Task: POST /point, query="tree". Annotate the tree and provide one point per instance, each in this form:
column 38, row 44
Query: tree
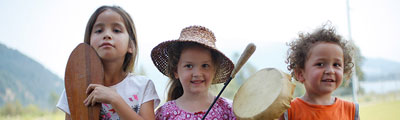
column 346, row 88
column 11, row 108
column 141, row 71
column 53, row 99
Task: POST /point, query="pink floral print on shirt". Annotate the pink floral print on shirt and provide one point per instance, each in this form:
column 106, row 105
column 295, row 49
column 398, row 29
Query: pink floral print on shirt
column 222, row 110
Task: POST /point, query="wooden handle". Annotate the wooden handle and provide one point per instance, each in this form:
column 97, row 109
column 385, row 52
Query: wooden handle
column 243, row 58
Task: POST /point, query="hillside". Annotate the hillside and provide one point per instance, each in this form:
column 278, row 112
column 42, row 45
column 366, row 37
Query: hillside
column 381, row 69
column 26, row 81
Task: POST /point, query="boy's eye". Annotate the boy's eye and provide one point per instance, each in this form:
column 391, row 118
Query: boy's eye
column 337, row 65
column 319, row 64
column 205, row 65
column 188, row 66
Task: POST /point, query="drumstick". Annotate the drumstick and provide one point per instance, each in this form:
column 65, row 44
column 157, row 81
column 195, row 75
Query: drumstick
column 243, row 59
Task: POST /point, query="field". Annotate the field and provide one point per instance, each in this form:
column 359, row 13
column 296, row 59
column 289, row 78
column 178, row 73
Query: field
column 372, row 107
column 46, row 116
column 380, row 107
column 381, row 111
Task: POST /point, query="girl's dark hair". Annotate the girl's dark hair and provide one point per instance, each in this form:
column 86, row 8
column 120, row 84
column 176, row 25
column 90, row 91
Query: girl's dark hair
column 174, row 52
column 299, row 49
column 130, row 58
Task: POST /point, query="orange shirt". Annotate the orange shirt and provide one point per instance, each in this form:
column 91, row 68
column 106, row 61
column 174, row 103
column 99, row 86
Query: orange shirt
column 340, row 110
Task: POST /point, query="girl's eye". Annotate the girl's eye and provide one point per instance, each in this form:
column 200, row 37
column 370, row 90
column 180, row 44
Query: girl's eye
column 117, row 31
column 188, row 66
column 98, row 31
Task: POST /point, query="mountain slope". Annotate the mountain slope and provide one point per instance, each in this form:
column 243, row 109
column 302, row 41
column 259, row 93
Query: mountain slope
column 25, row 80
column 381, row 69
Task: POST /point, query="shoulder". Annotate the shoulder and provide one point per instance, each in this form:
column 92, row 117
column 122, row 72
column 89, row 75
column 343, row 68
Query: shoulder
column 346, row 104
column 168, row 106
column 349, row 107
column 224, row 109
column 137, row 80
column 166, row 109
column 134, row 77
column 224, row 101
column 296, row 102
column 297, row 105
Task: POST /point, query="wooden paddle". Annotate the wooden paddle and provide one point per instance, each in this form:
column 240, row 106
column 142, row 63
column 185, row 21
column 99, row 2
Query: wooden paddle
column 83, row 68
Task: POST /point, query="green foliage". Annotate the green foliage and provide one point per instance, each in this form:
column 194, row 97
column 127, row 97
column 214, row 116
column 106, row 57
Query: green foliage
column 346, row 88
column 15, row 111
column 53, row 99
column 141, row 71
column 299, row 90
column 11, row 109
column 358, row 60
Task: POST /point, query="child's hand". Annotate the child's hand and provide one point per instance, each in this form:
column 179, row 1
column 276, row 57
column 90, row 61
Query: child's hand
column 100, row 94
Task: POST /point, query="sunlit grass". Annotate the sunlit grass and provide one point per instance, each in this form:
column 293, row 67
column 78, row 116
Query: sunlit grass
column 372, row 107
column 380, row 111
column 45, row 116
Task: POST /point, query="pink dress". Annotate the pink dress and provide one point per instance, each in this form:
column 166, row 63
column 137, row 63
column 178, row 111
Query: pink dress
column 222, row 110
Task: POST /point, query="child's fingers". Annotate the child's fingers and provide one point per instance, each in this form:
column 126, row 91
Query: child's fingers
column 88, row 99
column 91, row 87
column 94, row 101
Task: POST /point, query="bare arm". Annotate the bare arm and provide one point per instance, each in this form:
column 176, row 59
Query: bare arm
column 147, row 110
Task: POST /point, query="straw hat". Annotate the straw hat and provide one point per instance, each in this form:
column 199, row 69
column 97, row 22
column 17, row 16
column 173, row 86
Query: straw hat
column 195, row 34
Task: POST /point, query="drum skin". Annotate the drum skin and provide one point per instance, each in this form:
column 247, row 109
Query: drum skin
column 264, row 96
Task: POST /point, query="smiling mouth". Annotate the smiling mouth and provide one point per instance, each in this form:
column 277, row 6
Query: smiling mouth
column 328, row 80
column 197, row 81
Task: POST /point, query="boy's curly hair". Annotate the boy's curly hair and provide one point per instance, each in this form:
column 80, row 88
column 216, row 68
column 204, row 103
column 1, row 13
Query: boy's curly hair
column 300, row 47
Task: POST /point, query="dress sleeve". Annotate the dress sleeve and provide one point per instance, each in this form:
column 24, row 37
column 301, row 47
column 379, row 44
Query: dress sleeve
column 159, row 113
column 150, row 93
column 63, row 103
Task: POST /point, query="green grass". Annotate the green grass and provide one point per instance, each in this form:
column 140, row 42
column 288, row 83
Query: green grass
column 372, row 107
column 380, row 111
column 46, row 116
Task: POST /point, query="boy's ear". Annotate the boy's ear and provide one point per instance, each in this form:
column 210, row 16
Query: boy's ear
column 299, row 75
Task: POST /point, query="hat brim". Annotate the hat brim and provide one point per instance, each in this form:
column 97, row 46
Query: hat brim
column 160, row 57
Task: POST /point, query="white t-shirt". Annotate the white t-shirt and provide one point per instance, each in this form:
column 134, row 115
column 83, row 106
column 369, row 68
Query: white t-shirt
column 134, row 89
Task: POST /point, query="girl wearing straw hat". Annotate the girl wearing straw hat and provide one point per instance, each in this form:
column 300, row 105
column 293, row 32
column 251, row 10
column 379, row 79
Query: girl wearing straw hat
column 192, row 63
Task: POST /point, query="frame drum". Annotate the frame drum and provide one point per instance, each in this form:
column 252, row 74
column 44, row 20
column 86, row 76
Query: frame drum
column 264, row 96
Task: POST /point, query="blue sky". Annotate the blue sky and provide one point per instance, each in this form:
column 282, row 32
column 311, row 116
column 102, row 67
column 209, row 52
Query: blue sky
column 48, row 30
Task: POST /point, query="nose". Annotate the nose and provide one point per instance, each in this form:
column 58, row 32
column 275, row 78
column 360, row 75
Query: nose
column 107, row 35
column 197, row 73
column 329, row 70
